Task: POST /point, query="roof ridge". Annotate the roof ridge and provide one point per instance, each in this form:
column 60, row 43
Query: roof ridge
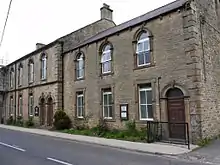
column 149, row 15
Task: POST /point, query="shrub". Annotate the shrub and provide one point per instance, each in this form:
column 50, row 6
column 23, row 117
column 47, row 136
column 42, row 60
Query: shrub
column 10, row 120
column 19, row 121
column 29, row 122
column 131, row 125
column 2, row 120
column 61, row 120
column 101, row 129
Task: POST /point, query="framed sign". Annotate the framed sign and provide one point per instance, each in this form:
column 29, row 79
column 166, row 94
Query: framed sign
column 36, row 111
column 124, row 111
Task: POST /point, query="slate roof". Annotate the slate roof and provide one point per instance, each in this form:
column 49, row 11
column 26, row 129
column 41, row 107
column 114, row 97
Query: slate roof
column 146, row 17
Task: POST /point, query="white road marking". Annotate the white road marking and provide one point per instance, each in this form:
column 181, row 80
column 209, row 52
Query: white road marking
column 11, row 146
column 59, row 161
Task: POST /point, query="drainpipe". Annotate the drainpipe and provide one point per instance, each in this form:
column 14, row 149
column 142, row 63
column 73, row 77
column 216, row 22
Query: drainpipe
column 5, row 93
column 4, row 107
column 62, row 56
column 158, row 86
column 202, row 20
column 15, row 91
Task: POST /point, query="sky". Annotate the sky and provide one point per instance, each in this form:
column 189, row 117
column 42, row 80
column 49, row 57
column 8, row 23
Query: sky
column 43, row 21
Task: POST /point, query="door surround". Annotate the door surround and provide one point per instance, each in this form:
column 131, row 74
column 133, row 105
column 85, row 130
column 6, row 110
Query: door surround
column 163, row 113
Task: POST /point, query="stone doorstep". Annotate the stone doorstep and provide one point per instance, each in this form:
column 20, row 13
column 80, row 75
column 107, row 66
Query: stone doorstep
column 155, row 148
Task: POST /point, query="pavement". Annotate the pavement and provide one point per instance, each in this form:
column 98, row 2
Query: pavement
column 155, row 148
column 23, row 148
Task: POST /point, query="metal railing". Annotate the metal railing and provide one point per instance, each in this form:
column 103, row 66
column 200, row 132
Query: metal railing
column 168, row 132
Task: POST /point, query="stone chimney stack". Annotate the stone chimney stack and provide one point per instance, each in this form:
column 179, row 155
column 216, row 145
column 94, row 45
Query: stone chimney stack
column 39, row 45
column 106, row 12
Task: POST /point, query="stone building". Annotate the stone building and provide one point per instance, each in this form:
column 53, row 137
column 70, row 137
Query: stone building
column 162, row 66
column 35, row 81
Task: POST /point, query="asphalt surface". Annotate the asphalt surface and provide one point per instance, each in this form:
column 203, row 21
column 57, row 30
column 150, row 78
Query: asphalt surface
column 210, row 153
column 19, row 148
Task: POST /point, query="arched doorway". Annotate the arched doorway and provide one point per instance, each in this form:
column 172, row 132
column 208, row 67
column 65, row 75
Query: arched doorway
column 176, row 113
column 42, row 111
column 50, row 112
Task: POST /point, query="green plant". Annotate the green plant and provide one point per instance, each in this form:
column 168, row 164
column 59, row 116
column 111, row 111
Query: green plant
column 29, row 122
column 101, row 128
column 204, row 142
column 19, row 121
column 61, row 120
column 131, row 125
column 10, row 120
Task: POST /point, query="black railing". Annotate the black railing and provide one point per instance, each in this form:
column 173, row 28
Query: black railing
column 169, row 132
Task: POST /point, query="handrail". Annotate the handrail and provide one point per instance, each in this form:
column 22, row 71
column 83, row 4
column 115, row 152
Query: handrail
column 155, row 131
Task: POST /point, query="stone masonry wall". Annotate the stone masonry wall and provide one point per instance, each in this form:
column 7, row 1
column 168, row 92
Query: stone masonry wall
column 194, row 69
column 170, row 60
column 48, row 86
column 209, row 51
column 53, row 84
column 84, row 33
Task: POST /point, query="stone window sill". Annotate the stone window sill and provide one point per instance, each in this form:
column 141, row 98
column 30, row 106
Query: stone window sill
column 79, row 79
column 144, row 66
column 109, row 120
column 106, row 74
column 80, row 118
column 144, row 121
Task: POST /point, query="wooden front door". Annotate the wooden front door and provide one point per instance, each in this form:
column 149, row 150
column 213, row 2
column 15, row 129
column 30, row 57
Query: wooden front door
column 176, row 114
column 50, row 112
column 42, row 112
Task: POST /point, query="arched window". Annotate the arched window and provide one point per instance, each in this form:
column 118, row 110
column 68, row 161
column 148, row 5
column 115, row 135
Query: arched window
column 31, row 104
column 11, row 78
column 143, row 50
column 20, row 105
column 80, row 66
column 106, row 59
column 20, row 74
column 43, row 66
column 11, row 106
column 30, row 71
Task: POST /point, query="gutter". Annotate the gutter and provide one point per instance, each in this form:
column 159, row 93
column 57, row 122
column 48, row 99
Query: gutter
column 62, row 56
column 158, row 88
column 15, row 92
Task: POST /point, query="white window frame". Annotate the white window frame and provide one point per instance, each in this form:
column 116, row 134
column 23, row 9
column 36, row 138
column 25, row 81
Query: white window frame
column 142, row 51
column 31, row 105
column 109, row 60
column 31, row 72
column 78, row 69
column 11, row 79
column 145, row 90
column 20, row 106
column 11, row 106
column 79, row 106
column 44, row 67
column 108, row 105
column 20, row 72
